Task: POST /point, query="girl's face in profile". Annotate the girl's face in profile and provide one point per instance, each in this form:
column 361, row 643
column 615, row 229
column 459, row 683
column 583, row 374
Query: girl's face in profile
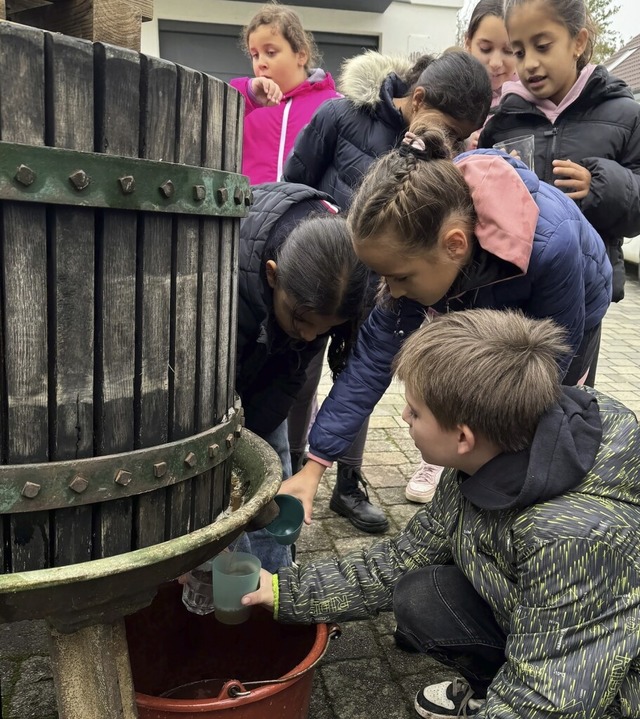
column 490, row 45
column 274, row 58
column 425, row 276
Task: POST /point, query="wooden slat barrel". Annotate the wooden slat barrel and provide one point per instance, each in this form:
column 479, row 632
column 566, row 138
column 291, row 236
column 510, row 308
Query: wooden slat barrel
column 117, row 318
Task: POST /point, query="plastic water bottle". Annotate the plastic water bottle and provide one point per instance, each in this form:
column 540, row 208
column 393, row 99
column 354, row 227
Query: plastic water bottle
column 197, row 591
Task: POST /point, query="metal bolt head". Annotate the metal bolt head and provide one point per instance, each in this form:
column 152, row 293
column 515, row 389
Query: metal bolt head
column 190, row 460
column 199, row 193
column 213, row 450
column 25, row 175
column 123, row 477
column 248, row 199
column 127, row 184
column 30, row 490
column 159, row 469
column 78, row 484
column 238, row 196
column 229, row 440
column 222, row 195
column 238, row 431
column 167, row 189
column 80, row 180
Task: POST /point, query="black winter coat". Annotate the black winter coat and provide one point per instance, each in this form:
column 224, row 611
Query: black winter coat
column 334, row 151
column 270, row 365
column 601, row 131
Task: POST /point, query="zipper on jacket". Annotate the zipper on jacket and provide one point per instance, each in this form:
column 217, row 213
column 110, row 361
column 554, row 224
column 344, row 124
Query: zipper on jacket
column 398, row 332
column 551, row 154
column 283, row 138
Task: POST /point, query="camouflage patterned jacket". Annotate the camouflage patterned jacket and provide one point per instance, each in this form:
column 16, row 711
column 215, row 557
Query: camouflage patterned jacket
column 561, row 573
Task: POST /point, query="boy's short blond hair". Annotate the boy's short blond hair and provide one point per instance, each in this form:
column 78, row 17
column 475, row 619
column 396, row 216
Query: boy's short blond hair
column 493, row 370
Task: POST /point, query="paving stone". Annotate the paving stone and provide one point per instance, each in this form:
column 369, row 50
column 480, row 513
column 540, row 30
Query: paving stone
column 401, row 514
column 360, row 689
column 383, row 476
column 358, row 641
column 344, row 546
column 377, row 421
column 392, row 495
column 34, row 694
column 314, row 538
column 385, row 458
column 21, row 639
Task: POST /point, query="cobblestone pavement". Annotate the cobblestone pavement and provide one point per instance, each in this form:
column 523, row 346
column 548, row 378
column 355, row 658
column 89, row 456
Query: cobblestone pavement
column 363, row 676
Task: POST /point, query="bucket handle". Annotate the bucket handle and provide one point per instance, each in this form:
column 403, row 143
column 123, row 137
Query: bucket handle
column 236, row 689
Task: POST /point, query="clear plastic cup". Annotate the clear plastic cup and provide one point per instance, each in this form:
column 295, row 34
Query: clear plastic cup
column 234, row 575
column 521, row 147
column 197, row 591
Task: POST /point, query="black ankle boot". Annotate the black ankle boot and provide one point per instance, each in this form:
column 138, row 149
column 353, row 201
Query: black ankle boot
column 349, row 501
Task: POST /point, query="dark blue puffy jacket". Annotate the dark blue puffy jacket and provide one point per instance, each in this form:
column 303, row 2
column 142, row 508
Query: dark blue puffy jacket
column 345, row 136
column 568, row 280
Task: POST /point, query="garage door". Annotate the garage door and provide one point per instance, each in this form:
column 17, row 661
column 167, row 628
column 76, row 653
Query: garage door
column 215, row 49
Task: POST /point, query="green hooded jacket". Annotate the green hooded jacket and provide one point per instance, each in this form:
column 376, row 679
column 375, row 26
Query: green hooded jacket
column 552, row 545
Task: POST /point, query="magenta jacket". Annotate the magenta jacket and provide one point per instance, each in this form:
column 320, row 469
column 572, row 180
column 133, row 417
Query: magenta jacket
column 269, row 132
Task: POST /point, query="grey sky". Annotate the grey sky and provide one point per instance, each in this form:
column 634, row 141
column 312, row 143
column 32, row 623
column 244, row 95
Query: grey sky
column 627, row 19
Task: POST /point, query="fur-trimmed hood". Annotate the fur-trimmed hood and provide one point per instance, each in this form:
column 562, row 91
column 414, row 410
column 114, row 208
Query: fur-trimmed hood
column 362, row 76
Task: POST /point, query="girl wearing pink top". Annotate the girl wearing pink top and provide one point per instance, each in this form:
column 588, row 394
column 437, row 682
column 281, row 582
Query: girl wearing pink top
column 284, row 93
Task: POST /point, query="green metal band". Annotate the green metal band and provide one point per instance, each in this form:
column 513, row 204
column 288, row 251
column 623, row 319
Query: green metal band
column 89, row 179
column 52, row 485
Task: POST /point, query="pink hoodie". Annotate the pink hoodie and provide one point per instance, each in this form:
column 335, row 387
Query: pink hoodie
column 269, row 132
column 495, row 185
column 550, row 109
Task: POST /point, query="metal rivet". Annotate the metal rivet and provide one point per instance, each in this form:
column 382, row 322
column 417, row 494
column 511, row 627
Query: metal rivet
column 80, row 180
column 167, row 188
column 199, row 193
column 222, row 195
column 238, row 196
column 159, row 469
column 248, row 199
column 190, row 459
column 127, row 184
column 30, row 490
column 123, row 477
column 238, row 432
column 25, row 175
column 213, row 450
column 229, row 440
column 78, row 484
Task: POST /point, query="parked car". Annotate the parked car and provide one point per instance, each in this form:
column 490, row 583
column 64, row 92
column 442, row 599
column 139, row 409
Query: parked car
column 631, row 251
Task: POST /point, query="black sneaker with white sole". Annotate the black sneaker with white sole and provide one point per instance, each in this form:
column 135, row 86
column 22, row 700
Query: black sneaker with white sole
column 447, row 700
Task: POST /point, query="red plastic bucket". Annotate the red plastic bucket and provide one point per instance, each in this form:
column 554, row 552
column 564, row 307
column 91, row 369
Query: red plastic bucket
column 170, row 647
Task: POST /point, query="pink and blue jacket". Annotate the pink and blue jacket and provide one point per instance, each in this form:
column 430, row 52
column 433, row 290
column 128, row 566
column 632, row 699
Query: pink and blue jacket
column 269, row 132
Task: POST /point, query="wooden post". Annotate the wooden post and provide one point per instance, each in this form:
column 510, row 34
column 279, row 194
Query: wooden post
column 92, row 673
column 117, row 22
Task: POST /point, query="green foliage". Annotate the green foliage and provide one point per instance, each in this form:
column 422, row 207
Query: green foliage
column 608, row 41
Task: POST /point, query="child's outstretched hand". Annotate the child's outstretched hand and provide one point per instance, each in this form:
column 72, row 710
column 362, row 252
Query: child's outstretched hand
column 266, row 91
column 263, row 594
column 576, row 177
column 304, row 486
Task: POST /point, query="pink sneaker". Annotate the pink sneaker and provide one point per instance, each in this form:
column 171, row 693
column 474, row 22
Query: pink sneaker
column 422, row 486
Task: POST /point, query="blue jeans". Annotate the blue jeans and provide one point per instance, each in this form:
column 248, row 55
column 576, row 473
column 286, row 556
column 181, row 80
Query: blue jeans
column 439, row 613
column 272, row 555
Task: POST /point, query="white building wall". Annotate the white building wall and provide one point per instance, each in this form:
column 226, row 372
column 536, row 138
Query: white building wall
column 414, row 26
